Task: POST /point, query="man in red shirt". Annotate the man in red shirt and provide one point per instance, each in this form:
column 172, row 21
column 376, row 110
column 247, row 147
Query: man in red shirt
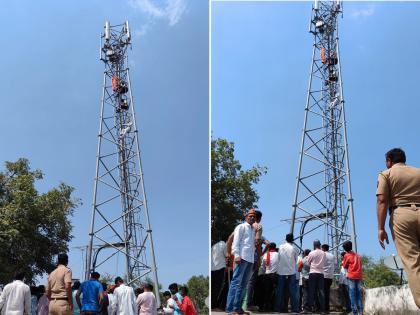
column 187, row 306
column 353, row 264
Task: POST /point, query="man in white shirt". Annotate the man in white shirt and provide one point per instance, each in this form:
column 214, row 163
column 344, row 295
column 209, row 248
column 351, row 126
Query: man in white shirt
column 124, row 299
column 329, row 268
column 170, row 303
column 270, row 263
column 243, row 249
column 218, row 268
column 257, row 255
column 16, row 297
column 287, row 275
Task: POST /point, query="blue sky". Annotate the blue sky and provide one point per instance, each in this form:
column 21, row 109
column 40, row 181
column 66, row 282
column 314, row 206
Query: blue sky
column 261, row 54
column 51, row 88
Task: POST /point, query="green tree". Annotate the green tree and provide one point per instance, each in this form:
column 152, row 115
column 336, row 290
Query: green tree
column 149, row 280
column 377, row 274
column 232, row 191
column 34, row 227
column 198, row 287
column 107, row 278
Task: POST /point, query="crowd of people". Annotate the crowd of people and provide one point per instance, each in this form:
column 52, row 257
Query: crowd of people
column 62, row 296
column 250, row 273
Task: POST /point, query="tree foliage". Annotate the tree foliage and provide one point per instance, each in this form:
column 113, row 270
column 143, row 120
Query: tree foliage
column 232, row 191
column 107, row 278
column 34, row 227
column 378, row 274
column 198, row 287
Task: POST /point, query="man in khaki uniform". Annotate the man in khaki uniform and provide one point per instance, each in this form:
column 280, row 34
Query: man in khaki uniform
column 399, row 190
column 59, row 288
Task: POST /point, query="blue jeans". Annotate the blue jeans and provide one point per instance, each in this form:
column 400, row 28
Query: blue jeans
column 355, row 292
column 293, row 293
column 237, row 288
column 251, row 284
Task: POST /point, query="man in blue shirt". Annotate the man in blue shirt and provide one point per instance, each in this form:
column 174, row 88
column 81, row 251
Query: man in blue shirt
column 92, row 295
column 174, row 291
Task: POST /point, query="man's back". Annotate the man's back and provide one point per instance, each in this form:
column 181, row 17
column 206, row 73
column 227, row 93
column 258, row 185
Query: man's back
column 329, row 265
column 401, row 183
column 305, row 268
column 57, row 280
column 353, row 263
column 288, row 259
column 218, row 256
column 43, row 304
column 187, row 306
column 90, row 291
column 271, row 262
column 124, row 300
column 146, row 303
column 15, row 299
column 316, row 261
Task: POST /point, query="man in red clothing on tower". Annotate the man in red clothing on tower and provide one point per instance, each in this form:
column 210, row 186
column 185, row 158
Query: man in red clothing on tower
column 187, row 306
column 353, row 264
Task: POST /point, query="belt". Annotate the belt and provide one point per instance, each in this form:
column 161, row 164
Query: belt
column 405, row 205
column 59, row 299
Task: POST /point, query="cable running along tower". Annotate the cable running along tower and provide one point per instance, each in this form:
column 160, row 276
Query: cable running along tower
column 323, row 203
column 120, row 232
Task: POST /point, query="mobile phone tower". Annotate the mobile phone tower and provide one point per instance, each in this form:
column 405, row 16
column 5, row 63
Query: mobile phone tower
column 120, row 228
column 323, row 202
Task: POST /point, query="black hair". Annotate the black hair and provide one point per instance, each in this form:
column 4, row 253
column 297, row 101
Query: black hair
column 104, row 286
column 173, row 286
column 95, row 275
column 396, row 155
column 148, row 286
column 167, row 293
column 138, row 291
column 343, row 254
column 306, row 252
column 258, row 215
column 325, row 247
column 34, row 290
column 272, row 245
column 41, row 289
column 63, row 259
column 289, row 238
column 347, row 246
column 184, row 289
column 76, row 285
column 317, row 244
column 118, row 280
column 20, row 275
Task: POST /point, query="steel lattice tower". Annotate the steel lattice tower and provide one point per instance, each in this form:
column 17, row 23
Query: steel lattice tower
column 120, row 223
column 323, row 203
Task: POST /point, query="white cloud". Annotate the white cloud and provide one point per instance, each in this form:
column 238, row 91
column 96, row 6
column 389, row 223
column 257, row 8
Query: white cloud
column 365, row 12
column 169, row 10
